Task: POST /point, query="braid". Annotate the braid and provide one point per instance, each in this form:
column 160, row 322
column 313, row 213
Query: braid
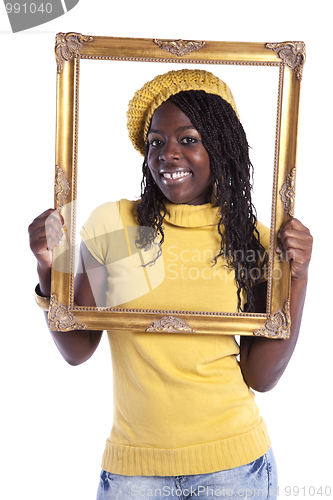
column 151, row 210
column 225, row 142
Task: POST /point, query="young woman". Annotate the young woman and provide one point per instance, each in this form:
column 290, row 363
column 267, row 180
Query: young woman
column 185, row 422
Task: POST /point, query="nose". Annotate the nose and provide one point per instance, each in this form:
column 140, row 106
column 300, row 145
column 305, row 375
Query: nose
column 170, row 151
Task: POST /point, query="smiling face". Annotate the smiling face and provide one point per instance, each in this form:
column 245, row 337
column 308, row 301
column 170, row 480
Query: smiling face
column 177, row 159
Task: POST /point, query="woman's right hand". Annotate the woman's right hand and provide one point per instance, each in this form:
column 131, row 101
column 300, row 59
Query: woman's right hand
column 45, row 233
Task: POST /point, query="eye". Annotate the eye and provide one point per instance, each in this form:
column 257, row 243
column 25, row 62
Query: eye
column 189, row 140
column 154, row 143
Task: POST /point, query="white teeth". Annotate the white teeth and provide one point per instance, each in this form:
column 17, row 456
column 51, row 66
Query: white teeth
column 175, row 175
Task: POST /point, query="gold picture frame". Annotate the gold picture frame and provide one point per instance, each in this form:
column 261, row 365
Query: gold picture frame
column 288, row 58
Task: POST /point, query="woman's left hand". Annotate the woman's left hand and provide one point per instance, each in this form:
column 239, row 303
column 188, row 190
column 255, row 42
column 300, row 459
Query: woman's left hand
column 264, row 360
column 295, row 246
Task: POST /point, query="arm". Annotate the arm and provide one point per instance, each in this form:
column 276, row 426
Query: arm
column 46, row 233
column 264, row 360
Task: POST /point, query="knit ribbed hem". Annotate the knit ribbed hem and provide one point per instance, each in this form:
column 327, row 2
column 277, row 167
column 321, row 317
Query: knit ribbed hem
column 199, row 459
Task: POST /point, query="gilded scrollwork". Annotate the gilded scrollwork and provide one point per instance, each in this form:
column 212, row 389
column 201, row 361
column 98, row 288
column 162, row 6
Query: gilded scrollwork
column 292, row 54
column 61, row 319
column 68, row 45
column 61, row 187
column 287, row 193
column 278, row 325
column 170, row 324
column 179, row 47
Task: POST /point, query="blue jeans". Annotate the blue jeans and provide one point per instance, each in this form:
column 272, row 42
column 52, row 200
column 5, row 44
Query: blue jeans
column 256, row 480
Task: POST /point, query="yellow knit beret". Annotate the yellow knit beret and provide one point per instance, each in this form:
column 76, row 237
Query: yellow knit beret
column 146, row 100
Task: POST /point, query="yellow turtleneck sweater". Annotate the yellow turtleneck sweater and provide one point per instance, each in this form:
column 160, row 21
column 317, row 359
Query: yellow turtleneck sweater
column 181, row 405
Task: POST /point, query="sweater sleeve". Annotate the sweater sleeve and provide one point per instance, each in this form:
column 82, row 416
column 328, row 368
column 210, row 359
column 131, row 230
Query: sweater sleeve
column 101, row 228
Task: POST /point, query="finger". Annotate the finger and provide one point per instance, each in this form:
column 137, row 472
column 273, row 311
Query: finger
column 294, row 235
column 295, row 249
column 45, row 237
column 49, row 228
column 42, row 242
column 296, row 241
column 295, row 224
column 295, row 246
column 56, row 221
column 53, row 238
column 50, row 214
column 297, row 255
column 298, row 251
column 40, row 220
column 54, row 231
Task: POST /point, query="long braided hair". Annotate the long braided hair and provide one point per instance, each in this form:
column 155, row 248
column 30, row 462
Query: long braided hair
column 225, row 142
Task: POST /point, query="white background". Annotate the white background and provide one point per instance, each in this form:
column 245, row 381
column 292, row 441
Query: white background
column 55, row 418
column 103, row 137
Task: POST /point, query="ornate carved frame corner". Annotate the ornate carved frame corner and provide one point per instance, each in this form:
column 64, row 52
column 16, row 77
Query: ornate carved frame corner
column 278, row 325
column 68, row 46
column 61, row 318
column 293, row 54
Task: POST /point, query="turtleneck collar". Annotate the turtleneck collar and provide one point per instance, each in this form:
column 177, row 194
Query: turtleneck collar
column 191, row 215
